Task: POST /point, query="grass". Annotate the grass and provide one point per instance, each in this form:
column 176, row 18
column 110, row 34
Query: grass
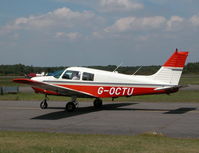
column 190, row 79
column 31, row 142
column 181, row 96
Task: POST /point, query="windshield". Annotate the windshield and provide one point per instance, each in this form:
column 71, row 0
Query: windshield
column 56, row 74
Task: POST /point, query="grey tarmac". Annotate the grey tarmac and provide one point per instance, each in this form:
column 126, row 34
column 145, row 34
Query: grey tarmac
column 117, row 118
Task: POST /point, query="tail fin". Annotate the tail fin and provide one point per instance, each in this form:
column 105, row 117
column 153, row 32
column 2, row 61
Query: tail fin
column 171, row 71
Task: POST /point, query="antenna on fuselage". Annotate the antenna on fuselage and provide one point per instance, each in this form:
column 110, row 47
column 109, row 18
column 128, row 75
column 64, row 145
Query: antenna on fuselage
column 118, row 66
column 137, row 70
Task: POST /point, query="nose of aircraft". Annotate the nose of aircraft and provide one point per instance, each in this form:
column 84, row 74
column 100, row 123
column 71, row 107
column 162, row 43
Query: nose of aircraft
column 38, row 78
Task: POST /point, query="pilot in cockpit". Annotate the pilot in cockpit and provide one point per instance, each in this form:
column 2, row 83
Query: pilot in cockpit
column 76, row 76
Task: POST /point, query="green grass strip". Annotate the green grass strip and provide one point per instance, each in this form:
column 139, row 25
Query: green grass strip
column 35, row 142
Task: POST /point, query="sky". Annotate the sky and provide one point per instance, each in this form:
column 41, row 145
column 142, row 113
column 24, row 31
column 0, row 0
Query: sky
column 97, row 32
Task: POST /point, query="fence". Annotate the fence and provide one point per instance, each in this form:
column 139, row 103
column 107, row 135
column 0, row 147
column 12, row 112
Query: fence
column 9, row 90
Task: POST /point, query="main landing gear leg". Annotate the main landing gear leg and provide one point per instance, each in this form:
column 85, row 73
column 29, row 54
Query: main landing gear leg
column 97, row 103
column 72, row 105
column 44, row 104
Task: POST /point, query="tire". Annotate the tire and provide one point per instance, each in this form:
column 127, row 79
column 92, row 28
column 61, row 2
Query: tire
column 97, row 103
column 43, row 104
column 70, row 107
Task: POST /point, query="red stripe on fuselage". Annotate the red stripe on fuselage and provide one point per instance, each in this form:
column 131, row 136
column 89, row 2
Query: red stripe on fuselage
column 109, row 91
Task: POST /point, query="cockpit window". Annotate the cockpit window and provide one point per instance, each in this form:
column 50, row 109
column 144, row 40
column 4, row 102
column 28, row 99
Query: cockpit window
column 72, row 75
column 88, row 76
column 57, row 74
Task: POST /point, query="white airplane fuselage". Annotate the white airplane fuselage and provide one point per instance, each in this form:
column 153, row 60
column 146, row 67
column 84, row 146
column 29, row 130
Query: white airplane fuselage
column 106, row 84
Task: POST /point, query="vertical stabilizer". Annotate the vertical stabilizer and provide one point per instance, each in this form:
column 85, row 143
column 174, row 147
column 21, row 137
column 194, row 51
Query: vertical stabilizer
column 171, row 71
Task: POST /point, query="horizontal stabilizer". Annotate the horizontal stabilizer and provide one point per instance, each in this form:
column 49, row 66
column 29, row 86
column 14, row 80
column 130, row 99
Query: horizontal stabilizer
column 168, row 88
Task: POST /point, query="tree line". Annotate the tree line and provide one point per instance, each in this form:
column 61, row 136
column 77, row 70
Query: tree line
column 20, row 69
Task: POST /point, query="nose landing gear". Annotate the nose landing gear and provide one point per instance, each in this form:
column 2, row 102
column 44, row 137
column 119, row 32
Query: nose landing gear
column 44, row 104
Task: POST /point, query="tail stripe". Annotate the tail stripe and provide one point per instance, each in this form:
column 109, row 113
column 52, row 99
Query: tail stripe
column 177, row 59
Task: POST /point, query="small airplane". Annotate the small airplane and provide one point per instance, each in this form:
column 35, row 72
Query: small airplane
column 31, row 75
column 81, row 82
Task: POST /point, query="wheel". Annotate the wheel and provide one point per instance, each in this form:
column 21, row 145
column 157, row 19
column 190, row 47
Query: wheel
column 70, row 107
column 97, row 103
column 43, row 104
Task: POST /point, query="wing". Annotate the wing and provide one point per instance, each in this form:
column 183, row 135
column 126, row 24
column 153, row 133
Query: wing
column 53, row 88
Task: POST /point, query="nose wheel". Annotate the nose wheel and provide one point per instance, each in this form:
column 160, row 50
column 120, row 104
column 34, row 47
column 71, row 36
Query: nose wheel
column 44, row 104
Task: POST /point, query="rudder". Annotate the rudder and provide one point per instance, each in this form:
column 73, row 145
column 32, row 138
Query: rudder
column 171, row 71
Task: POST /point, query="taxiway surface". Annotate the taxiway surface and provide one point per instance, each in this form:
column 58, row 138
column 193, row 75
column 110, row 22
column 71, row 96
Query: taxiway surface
column 129, row 118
